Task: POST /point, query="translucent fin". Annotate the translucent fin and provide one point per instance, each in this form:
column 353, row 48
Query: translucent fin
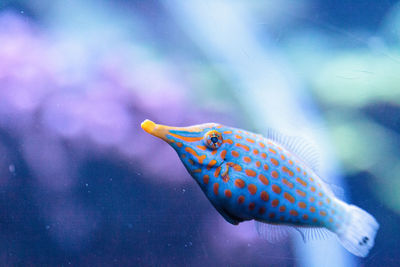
column 271, row 232
column 358, row 234
column 314, row 233
column 336, row 190
column 298, row 146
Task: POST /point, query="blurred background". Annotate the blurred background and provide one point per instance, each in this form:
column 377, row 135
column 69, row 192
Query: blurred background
column 82, row 185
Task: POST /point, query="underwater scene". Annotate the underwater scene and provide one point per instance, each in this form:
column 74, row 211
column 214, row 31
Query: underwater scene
column 199, row 133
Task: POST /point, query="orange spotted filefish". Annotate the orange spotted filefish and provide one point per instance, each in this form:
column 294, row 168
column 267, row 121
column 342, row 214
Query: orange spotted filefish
column 270, row 179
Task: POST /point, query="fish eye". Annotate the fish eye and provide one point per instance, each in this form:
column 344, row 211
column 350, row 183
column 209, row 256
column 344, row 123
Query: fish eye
column 213, row 139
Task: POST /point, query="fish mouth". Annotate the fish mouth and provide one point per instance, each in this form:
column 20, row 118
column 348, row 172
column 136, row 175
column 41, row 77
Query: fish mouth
column 157, row 130
column 161, row 131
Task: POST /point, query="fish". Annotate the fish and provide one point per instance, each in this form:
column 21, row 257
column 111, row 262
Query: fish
column 272, row 180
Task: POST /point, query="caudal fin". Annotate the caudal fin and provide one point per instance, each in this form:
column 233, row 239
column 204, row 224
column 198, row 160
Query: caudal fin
column 358, row 235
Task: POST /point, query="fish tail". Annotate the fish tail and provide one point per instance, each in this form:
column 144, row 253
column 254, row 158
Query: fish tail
column 357, row 234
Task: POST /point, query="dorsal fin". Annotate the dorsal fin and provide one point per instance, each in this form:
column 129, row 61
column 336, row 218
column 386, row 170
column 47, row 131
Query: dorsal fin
column 304, row 151
column 297, row 146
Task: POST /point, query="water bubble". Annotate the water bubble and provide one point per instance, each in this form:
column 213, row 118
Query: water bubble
column 47, row 227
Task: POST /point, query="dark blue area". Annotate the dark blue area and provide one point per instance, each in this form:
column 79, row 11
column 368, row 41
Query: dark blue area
column 356, row 14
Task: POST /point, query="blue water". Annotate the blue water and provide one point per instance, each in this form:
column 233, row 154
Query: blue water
column 82, row 185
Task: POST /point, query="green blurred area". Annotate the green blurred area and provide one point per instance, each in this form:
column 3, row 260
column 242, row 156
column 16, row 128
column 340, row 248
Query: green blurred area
column 345, row 81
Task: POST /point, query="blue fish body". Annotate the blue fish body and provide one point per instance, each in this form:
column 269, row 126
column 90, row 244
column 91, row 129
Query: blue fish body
column 249, row 177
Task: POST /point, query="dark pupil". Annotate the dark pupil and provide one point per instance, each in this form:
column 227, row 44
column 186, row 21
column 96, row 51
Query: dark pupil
column 214, row 139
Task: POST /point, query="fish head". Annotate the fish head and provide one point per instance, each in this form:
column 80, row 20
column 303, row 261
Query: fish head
column 200, row 147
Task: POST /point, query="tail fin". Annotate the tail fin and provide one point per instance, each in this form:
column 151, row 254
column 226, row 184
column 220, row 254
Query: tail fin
column 358, row 235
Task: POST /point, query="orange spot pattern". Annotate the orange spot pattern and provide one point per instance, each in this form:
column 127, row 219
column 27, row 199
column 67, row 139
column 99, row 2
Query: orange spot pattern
column 266, row 167
column 305, row 217
column 235, row 166
column 217, row 171
column 251, row 173
column 215, row 188
column 200, row 159
column 293, row 213
column 302, row 182
column 275, row 203
column 240, row 183
column 322, row 213
column 312, row 199
column 243, row 146
column 312, row 209
column 286, row 182
column 289, row 197
column 238, row 136
column 276, row 189
column 255, row 151
column 228, row 193
column 202, row 147
column 302, row 205
column 263, row 155
column 187, row 139
column 252, row 205
column 235, row 153
column 212, row 163
column 252, row 189
column 274, row 161
column 282, row 208
column 196, row 171
column 272, row 150
column 261, row 210
column 223, row 154
column 263, row 179
column 283, row 157
column 229, row 141
column 271, row 215
column 258, row 164
column 206, row 178
column 227, row 132
column 261, row 145
column 300, row 193
column 247, row 159
column 250, row 140
column 264, row 196
column 240, row 199
column 275, row 174
column 312, row 189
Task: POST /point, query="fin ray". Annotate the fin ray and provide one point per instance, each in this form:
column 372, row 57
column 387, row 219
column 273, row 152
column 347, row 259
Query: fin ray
column 298, row 146
column 271, row 232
